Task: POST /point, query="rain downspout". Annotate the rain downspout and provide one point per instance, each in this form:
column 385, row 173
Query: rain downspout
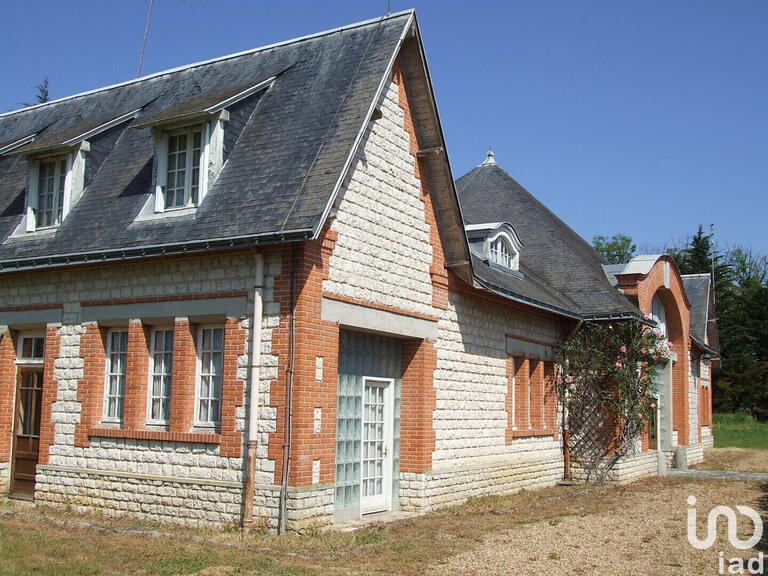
column 253, row 398
column 286, row 464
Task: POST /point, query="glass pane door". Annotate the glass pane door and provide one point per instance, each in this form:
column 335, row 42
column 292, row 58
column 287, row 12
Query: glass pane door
column 376, row 445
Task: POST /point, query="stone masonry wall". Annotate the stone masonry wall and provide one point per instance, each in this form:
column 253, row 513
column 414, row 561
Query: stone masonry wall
column 693, row 402
column 157, row 480
column 383, row 252
column 382, row 257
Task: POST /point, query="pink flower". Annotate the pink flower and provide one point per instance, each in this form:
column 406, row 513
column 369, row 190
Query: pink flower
column 670, row 344
column 653, row 405
column 559, row 380
column 623, row 349
column 660, row 336
column 655, row 357
column 618, row 364
column 647, row 317
column 644, row 351
column 640, row 416
column 663, row 353
column 569, row 379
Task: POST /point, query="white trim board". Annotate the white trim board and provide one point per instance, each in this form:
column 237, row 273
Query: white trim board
column 381, row 321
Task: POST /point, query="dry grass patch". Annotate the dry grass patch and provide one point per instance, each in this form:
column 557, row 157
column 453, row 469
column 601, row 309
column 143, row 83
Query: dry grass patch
column 556, row 529
column 735, row 460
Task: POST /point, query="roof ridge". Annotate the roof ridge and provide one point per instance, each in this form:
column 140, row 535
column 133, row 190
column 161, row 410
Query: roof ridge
column 359, row 24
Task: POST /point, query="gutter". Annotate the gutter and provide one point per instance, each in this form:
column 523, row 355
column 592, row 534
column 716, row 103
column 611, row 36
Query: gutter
column 180, row 248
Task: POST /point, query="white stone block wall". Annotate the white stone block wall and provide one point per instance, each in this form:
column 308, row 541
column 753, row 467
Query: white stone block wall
column 169, row 481
column 693, row 402
column 707, row 439
column 534, row 464
column 471, row 385
column 382, row 254
column 5, row 477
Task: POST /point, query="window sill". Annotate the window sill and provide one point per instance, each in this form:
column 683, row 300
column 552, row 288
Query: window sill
column 170, row 213
column 531, row 432
column 160, row 435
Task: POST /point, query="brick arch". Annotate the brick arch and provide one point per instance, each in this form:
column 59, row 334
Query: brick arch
column 663, row 279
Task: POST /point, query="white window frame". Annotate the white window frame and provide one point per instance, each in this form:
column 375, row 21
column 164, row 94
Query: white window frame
column 59, row 196
column 31, row 361
column 513, row 386
column 199, row 378
column 500, row 246
column 108, row 373
column 161, row 156
column 150, row 396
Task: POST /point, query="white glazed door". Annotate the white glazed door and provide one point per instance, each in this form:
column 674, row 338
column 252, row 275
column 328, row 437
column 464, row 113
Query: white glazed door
column 376, row 477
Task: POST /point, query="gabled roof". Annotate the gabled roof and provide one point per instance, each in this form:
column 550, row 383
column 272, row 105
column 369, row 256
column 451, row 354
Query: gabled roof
column 561, row 271
column 280, row 176
column 698, row 287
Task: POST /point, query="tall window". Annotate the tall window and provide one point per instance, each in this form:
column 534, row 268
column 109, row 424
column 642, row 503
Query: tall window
column 211, row 344
column 50, row 192
column 160, row 378
column 183, row 178
column 658, row 314
column 513, row 391
column 114, row 390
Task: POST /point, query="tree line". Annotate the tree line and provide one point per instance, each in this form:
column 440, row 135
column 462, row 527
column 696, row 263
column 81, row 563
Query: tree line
column 741, row 305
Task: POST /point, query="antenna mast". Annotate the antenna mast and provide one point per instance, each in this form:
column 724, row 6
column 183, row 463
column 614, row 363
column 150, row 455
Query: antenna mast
column 144, row 43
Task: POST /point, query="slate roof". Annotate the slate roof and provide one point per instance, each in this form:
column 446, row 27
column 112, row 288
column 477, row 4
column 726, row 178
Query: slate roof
column 278, row 177
column 560, row 270
column 697, row 287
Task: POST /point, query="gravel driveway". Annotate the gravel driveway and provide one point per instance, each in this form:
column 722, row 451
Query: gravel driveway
column 642, row 533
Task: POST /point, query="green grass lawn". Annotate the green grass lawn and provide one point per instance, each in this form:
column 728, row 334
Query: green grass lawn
column 739, row 431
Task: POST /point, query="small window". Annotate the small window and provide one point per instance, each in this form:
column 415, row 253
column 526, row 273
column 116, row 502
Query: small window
column 52, row 177
column 161, row 373
column 211, row 354
column 501, row 253
column 114, row 394
column 182, row 184
column 32, row 348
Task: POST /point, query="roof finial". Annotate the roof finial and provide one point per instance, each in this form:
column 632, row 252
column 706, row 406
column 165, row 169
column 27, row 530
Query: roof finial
column 489, row 158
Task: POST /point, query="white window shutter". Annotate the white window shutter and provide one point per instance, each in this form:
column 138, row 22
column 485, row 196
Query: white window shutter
column 205, row 163
column 161, row 160
column 32, row 185
column 67, row 187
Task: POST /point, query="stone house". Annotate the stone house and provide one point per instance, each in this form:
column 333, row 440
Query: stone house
column 243, row 292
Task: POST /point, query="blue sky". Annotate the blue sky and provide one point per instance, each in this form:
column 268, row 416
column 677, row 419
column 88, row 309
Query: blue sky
column 645, row 117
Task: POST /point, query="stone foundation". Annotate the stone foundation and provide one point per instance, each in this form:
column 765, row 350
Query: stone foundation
column 189, row 502
column 437, row 489
column 5, row 477
column 635, row 467
column 707, row 439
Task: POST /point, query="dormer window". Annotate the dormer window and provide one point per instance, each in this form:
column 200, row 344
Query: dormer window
column 190, row 147
column 56, row 167
column 51, row 182
column 182, row 183
column 498, row 244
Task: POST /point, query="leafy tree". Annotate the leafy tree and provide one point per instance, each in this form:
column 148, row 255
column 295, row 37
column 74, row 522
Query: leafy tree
column 617, row 249
column 606, row 389
column 741, row 296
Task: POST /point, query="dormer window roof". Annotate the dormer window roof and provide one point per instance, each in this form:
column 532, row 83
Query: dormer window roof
column 497, row 243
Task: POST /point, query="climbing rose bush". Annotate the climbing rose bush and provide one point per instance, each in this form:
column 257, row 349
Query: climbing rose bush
column 605, row 387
